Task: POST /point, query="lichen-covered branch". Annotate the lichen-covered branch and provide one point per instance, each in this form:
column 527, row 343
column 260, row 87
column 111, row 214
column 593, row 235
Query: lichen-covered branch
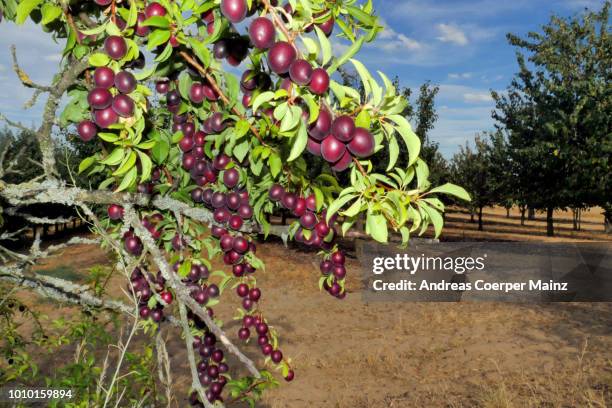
column 182, row 291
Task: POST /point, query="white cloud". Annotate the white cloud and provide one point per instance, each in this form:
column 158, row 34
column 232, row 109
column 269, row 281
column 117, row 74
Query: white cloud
column 452, row 34
column 477, row 97
column 392, row 41
column 453, row 95
column 463, row 75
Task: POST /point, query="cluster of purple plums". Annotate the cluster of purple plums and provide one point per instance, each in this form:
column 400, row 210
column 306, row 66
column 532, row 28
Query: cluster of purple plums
column 144, row 287
column 314, row 231
column 211, row 368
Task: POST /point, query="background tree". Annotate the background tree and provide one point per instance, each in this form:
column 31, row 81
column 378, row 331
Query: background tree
column 475, row 169
column 557, row 114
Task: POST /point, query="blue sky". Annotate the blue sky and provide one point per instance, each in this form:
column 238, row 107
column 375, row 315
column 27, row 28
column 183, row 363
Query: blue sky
column 459, row 45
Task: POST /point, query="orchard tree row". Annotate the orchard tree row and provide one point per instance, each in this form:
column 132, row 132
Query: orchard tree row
column 194, row 160
column 553, row 144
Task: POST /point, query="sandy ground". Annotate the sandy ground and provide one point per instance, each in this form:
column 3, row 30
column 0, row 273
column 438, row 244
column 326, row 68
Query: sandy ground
column 352, row 354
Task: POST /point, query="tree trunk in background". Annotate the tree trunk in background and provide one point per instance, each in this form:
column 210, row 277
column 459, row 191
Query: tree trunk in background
column 549, row 222
column 480, row 219
column 472, row 215
column 531, row 214
column 575, row 219
column 507, row 212
column 608, row 219
column 522, row 215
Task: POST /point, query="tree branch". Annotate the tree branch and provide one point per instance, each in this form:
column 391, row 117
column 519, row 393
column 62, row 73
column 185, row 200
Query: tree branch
column 23, row 77
column 195, row 379
column 182, row 291
column 51, row 191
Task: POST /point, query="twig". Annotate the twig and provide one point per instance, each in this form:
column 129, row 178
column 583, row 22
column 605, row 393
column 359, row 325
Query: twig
column 23, row 77
column 163, row 366
column 218, row 90
column 16, row 125
column 70, row 21
column 278, row 22
column 195, row 379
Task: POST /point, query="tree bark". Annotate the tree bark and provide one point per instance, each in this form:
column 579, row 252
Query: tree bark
column 531, row 214
column 480, row 219
column 549, row 222
column 472, row 220
column 608, row 220
column 507, row 212
column 523, row 215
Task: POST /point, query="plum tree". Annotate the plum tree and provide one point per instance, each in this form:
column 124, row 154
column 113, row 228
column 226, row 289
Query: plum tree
column 191, row 173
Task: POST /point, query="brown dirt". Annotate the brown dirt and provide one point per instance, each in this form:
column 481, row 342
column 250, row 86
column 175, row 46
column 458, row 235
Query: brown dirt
column 352, row 354
column 500, row 228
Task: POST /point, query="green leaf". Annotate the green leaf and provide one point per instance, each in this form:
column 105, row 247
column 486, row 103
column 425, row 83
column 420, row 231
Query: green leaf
column 128, row 180
column 350, row 53
column 311, row 45
column 50, row 13
column 115, row 157
column 166, row 53
column 377, row 227
column 184, row 269
column 94, row 31
column 393, row 152
column 133, row 15
column 112, row 29
column 160, row 151
column 99, row 59
column 354, row 209
column 146, row 166
column 127, row 164
column 275, row 164
column 452, row 189
column 360, row 15
column 313, row 108
column 184, row 84
column 299, row 144
column 363, row 120
column 241, row 128
column 24, row 9
column 422, row 172
column 108, row 137
column 86, row 163
column 157, row 21
column 261, row 99
column 200, row 50
column 158, row 37
column 338, row 204
column 434, row 216
column 326, row 49
column 364, row 74
column 412, row 141
column 241, row 150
